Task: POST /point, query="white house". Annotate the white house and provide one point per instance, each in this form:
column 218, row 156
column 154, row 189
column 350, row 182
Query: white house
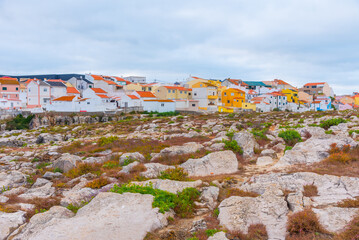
column 81, row 83
column 112, row 88
column 159, row 105
column 187, row 105
column 9, row 103
column 63, row 104
column 57, row 88
column 92, row 92
column 207, row 97
column 130, row 101
column 38, row 94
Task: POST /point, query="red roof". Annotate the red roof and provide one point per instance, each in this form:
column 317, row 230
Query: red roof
column 8, row 78
column 252, row 92
column 280, row 82
column 97, row 77
column 98, row 90
column 65, row 98
column 102, row 96
column 356, row 96
column 314, row 84
column 109, row 82
column 132, row 96
column 72, row 90
column 144, row 94
column 277, row 94
column 122, row 80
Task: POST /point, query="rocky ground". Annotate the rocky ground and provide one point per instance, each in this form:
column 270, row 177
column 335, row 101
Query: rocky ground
column 230, row 176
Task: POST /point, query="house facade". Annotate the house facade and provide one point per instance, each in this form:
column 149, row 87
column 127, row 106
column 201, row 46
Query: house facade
column 38, row 94
column 319, row 88
column 232, row 97
column 159, row 105
column 173, row 92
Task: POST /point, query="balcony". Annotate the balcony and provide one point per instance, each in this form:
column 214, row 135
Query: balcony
column 212, row 97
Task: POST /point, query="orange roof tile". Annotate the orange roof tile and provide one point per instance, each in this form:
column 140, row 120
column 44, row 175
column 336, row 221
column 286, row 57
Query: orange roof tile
column 158, row 100
column 72, row 90
column 122, row 80
column 178, row 88
column 65, row 98
column 98, row 90
column 144, row 94
column 109, row 82
column 102, row 96
column 10, row 81
column 314, row 84
column 97, row 77
column 132, row 96
column 281, row 82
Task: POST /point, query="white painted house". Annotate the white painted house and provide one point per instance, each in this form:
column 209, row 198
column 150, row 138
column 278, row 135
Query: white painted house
column 130, row 101
column 57, row 88
column 159, row 105
column 38, row 94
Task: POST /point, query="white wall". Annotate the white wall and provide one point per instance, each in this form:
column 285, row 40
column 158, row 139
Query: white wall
column 155, row 106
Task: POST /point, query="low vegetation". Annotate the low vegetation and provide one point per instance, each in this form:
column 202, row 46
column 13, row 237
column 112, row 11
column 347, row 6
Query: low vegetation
column 177, row 174
column 310, row 190
column 182, row 203
column 331, row 122
column 304, row 225
column 19, row 122
column 291, row 137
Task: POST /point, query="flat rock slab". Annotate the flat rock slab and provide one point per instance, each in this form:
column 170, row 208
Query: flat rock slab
column 108, row 216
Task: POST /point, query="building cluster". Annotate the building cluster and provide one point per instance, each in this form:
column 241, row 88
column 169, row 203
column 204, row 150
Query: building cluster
column 99, row 93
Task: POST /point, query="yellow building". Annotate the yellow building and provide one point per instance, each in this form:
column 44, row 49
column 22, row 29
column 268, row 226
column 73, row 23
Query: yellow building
column 225, row 109
column 249, row 106
column 233, row 97
column 133, row 87
column 173, row 92
column 356, row 99
column 195, row 80
column 215, row 82
column 292, row 95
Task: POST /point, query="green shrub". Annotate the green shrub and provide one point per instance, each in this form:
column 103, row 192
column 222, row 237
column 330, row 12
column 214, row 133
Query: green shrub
column 127, row 161
column 291, row 137
column 260, row 133
column 353, row 131
column 58, row 170
column 287, row 148
column 182, row 203
column 211, row 232
column 42, row 165
column 232, row 145
column 19, row 122
column 230, row 134
column 106, row 140
column 332, row 122
column 177, row 174
column 329, row 132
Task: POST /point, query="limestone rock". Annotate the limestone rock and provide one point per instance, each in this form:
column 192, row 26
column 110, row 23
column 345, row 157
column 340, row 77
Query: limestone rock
column 270, row 209
column 134, row 156
column 215, row 163
column 66, row 162
column 335, row 219
column 153, row 170
column 313, row 150
column 12, row 179
column 247, row 142
column 218, row 236
column 9, row 222
column 210, row 195
column 263, row 161
column 107, row 216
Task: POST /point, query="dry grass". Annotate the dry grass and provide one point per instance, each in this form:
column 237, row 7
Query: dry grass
column 341, row 162
column 229, row 192
column 351, row 232
column 304, row 225
column 98, row 183
column 349, row 203
column 255, row 232
column 310, row 190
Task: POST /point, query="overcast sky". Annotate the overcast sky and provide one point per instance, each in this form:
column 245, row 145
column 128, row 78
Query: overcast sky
column 295, row 40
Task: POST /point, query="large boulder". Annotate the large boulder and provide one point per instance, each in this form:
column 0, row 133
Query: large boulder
column 247, row 142
column 66, row 162
column 169, row 185
column 238, row 213
column 223, row 162
column 9, row 222
column 313, row 150
column 42, row 191
column 107, row 216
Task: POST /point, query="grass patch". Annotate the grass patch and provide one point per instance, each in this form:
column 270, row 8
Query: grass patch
column 98, row 183
column 310, row 190
column 182, row 203
column 177, row 174
column 332, row 122
column 291, row 137
column 232, row 145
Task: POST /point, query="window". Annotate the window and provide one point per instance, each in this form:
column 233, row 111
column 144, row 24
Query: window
column 173, row 91
column 45, row 89
column 189, row 94
column 193, row 105
column 90, row 86
column 149, row 89
column 228, row 101
column 180, row 92
column 88, row 102
column 225, row 94
column 4, row 88
column 162, row 104
column 169, row 91
column 232, row 94
column 195, row 94
column 17, row 89
column 201, row 85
